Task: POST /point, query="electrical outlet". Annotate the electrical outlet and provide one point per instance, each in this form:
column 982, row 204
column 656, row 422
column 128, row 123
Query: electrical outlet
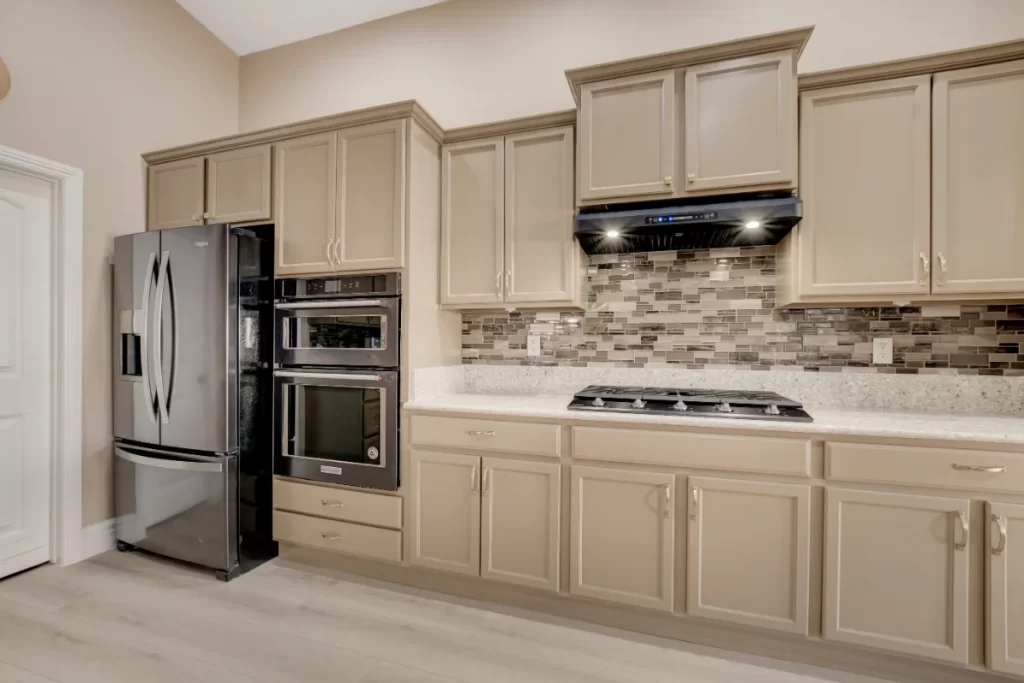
column 533, row 345
column 882, row 351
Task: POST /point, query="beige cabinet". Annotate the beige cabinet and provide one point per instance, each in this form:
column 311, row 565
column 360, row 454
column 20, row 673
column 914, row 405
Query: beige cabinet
column 978, row 230
column 238, row 185
column 176, row 194
column 1005, row 553
column 896, row 572
column 627, row 137
column 623, row 533
column 445, row 517
column 740, row 123
column 520, row 522
column 305, row 173
column 370, row 228
column 748, row 559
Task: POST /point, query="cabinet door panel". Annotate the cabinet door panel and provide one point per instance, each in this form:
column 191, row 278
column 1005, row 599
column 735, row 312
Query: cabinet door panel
column 238, row 185
column 623, row 532
column 446, row 511
column 539, row 245
column 740, row 123
column 371, row 196
column 865, row 184
column 626, row 136
column 520, row 510
column 978, row 179
column 749, row 553
column 473, row 222
column 1005, row 552
column 896, row 572
column 305, row 171
column 176, row 194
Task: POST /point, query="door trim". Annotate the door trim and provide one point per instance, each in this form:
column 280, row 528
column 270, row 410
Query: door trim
column 66, row 531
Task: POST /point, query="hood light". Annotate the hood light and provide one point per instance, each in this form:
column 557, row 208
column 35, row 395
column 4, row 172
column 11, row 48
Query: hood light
column 752, row 225
column 611, row 233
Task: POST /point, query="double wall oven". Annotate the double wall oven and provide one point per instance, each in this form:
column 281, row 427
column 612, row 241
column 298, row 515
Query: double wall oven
column 336, row 379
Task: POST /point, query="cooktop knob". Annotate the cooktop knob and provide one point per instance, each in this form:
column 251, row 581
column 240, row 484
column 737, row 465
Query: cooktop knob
column 723, row 408
column 680, row 406
column 598, row 402
column 772, row 410
column 638, row 404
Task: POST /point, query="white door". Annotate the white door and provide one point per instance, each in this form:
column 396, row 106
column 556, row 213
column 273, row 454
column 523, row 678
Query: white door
column 24, row 372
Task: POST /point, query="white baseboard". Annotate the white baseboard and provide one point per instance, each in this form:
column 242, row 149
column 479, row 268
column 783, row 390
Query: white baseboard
column 97, row 538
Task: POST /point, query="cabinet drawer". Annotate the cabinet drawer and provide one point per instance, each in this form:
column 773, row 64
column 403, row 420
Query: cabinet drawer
column 915, row 466
column 343, row 504
column 529, row 438
column 701, row 451
column 342, row 537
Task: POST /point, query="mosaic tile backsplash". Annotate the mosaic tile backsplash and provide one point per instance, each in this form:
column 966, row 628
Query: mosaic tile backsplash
column 717, row 308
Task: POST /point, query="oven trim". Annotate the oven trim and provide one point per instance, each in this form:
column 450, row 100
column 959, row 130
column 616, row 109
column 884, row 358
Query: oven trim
column 388, row 356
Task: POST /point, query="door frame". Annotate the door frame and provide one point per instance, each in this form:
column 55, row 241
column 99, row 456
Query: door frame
column 66, row 356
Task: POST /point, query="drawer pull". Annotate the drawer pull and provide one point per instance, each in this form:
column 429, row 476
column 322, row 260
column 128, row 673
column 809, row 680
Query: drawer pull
column 472, row 479
column 965, row 531
column 330, row 536
column 668, row 501
column 332, row 503
column 695, row 503
column 477, row 432
column 1001, row 546
column 991, row 469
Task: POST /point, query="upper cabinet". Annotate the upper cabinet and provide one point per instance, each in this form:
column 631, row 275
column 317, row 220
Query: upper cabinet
column 176, row 194
column 304, row 185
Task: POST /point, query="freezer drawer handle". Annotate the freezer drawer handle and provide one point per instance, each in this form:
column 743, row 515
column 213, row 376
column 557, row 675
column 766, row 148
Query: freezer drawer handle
column 165, row 464
column 347, row 303
column 328, row 375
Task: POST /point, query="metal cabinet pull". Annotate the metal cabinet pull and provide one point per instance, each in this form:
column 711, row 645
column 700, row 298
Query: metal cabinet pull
column 472, row 479
column 497, row 282
column 694, row 503
column 337, row 254
column 477, row 432
column 690, row 177
column 668, row 501
column 196, row 218
column 330, row 536
column 668, row 180
column 965, row 532
column 330, row 253
column 1001, row 523
column 925, row 269
column 332, row 503
column 942, row 267
column 487, row 472
column 991, row 469
column 508, row 282
column 207, row 214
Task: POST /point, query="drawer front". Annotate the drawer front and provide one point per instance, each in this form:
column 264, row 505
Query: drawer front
column 529, row 438
column 916, row 466
column 343, row 504
column 790, row 457
column 342, row 537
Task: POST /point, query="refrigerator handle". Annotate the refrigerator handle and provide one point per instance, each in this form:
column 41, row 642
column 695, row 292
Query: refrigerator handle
column 147, row 290
column 174, row 338
column 161, row 284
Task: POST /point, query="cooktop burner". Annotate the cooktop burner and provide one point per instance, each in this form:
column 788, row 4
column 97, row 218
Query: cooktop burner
column 754, row 405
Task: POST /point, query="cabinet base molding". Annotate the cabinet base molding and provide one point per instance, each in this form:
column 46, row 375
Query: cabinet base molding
column 542, row 606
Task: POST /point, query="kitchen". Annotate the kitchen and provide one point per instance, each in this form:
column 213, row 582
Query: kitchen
column 756, row 431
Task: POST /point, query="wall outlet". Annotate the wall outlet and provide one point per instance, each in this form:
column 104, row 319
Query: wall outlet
column 533, row 346
column 882, row 351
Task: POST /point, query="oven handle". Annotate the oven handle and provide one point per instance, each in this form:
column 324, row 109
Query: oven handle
column 328, row 375
column 347, row 303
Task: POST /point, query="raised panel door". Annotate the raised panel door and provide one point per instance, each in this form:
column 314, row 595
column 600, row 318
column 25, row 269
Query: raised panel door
column 445, row 516
column 978, row 201
column 1005, row 553
column 305, row 173
column 865, row 173
column 740, row 123
column 176, row 190
column 238, row 185
column 896, row 572
column 749, row 553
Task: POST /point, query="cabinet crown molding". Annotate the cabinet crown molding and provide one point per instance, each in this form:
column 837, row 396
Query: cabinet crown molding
column 793, row 39
column 555, row 119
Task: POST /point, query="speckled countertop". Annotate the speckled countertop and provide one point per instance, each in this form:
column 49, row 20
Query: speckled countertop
column 827, row 422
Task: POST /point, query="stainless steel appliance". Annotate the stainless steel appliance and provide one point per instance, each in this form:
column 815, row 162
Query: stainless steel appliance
column 727, row 404
column 336, row 380
column 192, row 395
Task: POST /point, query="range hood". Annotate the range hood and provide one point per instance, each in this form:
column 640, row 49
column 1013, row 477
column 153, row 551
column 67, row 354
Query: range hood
column 749, row 221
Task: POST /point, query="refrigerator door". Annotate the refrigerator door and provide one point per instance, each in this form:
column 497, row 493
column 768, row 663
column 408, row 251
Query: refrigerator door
column 135, row 272
column 196, row 308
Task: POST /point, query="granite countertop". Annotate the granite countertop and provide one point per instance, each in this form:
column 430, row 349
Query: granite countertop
column 993, row 429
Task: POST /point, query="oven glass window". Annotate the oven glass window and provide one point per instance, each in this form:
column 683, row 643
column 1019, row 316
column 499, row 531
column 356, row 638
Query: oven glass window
column 333, row 423
column 336, row 332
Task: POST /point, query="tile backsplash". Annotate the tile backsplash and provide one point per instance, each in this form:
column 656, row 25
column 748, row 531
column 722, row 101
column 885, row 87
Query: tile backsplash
column 716, row 308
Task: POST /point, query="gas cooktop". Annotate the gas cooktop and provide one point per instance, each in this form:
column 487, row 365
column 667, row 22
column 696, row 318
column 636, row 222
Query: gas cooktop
column 751, row 405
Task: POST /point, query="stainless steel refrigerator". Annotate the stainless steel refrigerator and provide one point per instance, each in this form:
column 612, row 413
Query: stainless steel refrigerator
column 193, row 345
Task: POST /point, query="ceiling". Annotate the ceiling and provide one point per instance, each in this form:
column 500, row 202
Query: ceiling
column 253, row 25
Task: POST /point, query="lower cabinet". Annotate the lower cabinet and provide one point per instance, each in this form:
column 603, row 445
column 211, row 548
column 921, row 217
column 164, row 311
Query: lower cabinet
column 623, row 530
column 1005, row 553
column 445, row 520
column 748, row 560
column 896, row 573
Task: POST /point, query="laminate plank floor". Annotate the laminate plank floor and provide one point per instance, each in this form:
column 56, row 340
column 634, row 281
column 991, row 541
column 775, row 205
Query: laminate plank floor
column 132, row 618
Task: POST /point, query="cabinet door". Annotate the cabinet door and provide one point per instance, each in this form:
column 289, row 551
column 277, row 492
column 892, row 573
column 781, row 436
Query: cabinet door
column 1006, row 588
column 473, row 222
column 865, row 175
column 446, row 511
column 623, row 531
column 371, row 196
column 627, row 136
column 176, row 194
column 896, row 572
column 749, row 553
column 978, row 179
column 238, row 185
column 521, row 503
column 539, row 210
column 740, row 123
column 305, row 171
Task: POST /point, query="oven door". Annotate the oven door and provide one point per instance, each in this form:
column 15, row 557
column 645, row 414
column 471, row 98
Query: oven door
column 360, row 332
column 338, row 427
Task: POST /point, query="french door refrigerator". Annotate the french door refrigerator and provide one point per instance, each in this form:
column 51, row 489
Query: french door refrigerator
column 193, row 347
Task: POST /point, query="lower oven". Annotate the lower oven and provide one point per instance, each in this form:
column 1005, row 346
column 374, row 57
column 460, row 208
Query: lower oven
column 338, row 426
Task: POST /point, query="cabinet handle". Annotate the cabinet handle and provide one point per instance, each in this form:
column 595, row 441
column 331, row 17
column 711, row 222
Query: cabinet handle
column 694, row 503
column 690, row 177
column 207, row 214
column 330, row 536
column 925, row 269
column 337, row 253
column 497, row 282
column 991, row 469
column 668, row 180
column 942, row 267
column 1001, row 523
column 330, row 254
column 332, row 503
column 196, row 218
column 508, row 282
column 477, row 432
column 472, row 479
column 487, row 472
column 668, row 501
column 965, row 531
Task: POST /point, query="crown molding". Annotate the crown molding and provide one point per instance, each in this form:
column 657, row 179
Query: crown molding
column 510, row 126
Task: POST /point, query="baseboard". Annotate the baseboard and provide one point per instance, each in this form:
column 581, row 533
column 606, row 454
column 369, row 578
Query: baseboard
column 97, row 538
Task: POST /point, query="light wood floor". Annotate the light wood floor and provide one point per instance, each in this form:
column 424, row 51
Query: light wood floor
column 129, row 617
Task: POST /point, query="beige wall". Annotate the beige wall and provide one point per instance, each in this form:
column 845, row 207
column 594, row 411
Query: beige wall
column 472, row 61
column 95, row 84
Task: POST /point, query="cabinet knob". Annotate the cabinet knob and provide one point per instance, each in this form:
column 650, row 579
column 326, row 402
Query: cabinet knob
column 207, row 214
column 196, row 218
column 690, row 177
column 668, row 180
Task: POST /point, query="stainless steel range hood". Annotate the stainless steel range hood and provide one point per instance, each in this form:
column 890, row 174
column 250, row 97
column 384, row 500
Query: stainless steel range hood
column 713, row 223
